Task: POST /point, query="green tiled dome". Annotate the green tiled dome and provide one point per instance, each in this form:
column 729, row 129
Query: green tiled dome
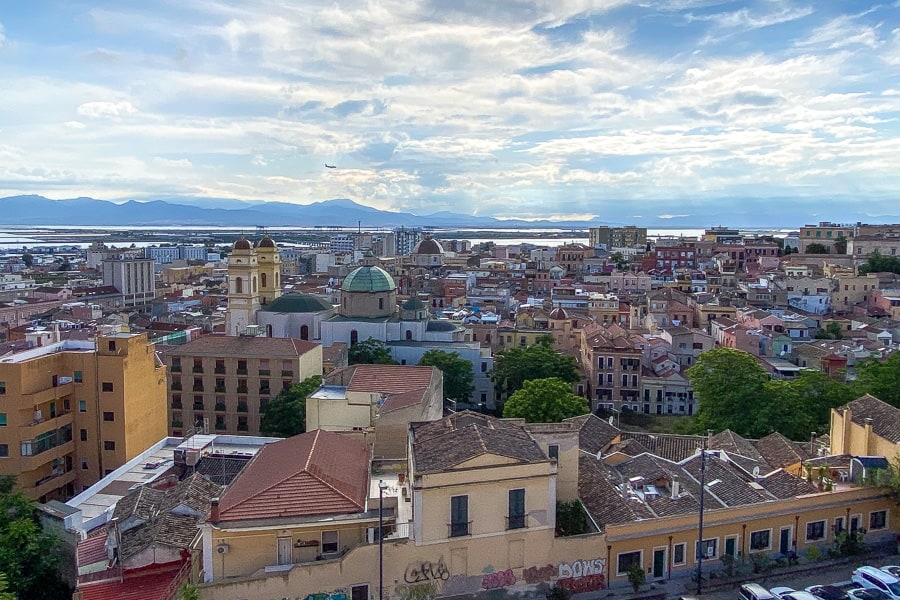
column 413, row 304
column 368, row 279
column 297, row 303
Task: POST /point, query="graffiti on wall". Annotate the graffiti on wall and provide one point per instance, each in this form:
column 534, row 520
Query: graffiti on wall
column 491, row 581
column 425, row 571
column 539, row 574
column 339, row 594
column 584, row 575
column 418, row 591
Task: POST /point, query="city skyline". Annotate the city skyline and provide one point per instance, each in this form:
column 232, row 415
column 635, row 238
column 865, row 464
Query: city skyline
column 620, row 111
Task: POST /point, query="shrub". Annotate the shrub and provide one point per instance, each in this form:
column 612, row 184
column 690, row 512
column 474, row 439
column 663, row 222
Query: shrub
column 636, row 576
column 813, row 554
column 558, row 593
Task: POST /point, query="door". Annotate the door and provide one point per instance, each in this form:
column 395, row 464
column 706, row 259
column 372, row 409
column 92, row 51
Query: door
column 659, row 563
column 854, row 523
column 731, row 546
column 284, row 551
column 784, row 545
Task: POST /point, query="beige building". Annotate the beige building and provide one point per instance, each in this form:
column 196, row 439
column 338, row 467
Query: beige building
column 254, row 280
column 220, row 383
column 826, row 234
column 76, row 410
column 866, row 427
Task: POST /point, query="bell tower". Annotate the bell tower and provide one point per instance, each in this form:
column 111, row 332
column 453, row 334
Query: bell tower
column 243, row 287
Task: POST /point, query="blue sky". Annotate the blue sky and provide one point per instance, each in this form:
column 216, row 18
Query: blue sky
column 615, row 110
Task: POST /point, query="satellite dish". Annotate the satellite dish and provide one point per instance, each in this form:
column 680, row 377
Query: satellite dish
column 756, row 471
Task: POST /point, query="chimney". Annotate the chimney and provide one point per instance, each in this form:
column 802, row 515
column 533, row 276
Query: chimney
column 868, row 433
column 846, row 426
column 214, row 510
column 676, row 487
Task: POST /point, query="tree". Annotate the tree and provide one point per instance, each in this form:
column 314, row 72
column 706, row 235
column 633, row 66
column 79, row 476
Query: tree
column 370, row 352
column 799, row 406
column 29, row 558
column 881, row 379
column 570, row 518
column 285, row 415
column 636, row 576
column 547, row 400
column 729, row 385
column 840, row 244
column 458, row 377
column 28, row 259
column 879, row 263
column 514, row 366
column 831, row 332
column 816, row 248
column 619, row 260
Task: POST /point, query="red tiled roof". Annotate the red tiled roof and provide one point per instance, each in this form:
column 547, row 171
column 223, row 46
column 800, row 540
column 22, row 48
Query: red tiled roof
column 244, row 346
column 389, row 379
column 92, row 550
column 314, row 473
column 152, row 583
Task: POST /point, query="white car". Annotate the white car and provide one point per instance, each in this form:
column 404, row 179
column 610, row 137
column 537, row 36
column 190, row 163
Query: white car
column 873, row 578
column 779, row 592
column 892, row 569
column 799, row 595
column 867, row 594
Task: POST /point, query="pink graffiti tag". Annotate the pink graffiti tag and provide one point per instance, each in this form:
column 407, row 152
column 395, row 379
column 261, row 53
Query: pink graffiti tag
column 498, row 579
column 539, row 574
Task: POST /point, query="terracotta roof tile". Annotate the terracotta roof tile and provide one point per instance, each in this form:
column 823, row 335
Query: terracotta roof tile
column 314, row 473
column 885, row 418
column 389, row 379
column 779, row 451
column 243, row 346
column 594, row 434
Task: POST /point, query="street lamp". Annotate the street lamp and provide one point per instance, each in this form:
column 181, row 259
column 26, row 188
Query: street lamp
column 381, row 487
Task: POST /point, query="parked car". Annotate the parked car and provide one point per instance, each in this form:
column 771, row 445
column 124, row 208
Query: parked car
column 867, row 594
column 875, row 578
column 799, row 595
column 779, row 592
column 892, row 569
column 827, row 592
column 754, row 591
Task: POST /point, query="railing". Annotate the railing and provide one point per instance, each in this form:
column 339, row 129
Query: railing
column 459, row 529
column 398, row 531
column 242, row 390
column 220, row 389
column 242, row 371
column 516, row 521
column 176, row 386
column 198, row 369
column 198, row 388
column 112, row 573
column 264, row 372
column 242, row 408
column 219, row 370
column 287, row 373
column 171, row 591
column 265, row 391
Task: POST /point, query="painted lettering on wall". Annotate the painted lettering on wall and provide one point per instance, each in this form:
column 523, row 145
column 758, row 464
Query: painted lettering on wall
column 339, row 594
column 539, row 574
column 584, row 575
column 499, row 579
column 424, row 571
column 418, row 591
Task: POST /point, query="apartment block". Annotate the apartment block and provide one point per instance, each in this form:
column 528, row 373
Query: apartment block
column 220, row 383
column 611, row 363
column 618, row 237
column 132, row 276
column 76, row 410
column 826, row 234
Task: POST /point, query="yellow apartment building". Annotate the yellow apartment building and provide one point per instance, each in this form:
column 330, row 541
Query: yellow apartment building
column 76, row 410
column 866, row 427
column 220, row 383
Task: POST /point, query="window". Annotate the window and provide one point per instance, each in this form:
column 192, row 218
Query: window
column 678, row 554
column 108, row 445
column 112, row 345
column 516, row 518
column 626, row 560
column 329, row 541
column 83, row 433
column 2, row 419
column 553, row 451
column 107, row 386
column 878, row 520
column 815, row 530
column 459, row 516
column 359, row 592
column 761, row 540
column 708, row 548
column 2, row 387
column 4, row 450
column 109, row 416
column 78, row 377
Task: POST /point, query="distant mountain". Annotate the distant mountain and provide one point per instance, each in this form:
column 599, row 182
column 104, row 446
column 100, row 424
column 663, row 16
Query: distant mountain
column 38, row 210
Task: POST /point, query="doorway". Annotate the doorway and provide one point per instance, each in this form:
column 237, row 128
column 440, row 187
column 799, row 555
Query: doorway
column 659, row 563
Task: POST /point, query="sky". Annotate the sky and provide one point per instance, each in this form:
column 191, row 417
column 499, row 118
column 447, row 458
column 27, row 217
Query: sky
column 563, row 109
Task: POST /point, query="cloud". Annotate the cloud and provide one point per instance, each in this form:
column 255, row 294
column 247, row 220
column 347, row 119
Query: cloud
column 112, row 110
column 2, row 35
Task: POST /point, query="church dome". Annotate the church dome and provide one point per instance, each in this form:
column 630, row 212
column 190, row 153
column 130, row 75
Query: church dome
column 368, row 278
column 413, row 304
column 428, row 246
column 242, row 244
column 266, row 242
column 559, row 314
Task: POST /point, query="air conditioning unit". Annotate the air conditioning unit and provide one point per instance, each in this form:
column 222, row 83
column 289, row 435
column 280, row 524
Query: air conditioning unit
column 223, row 548
column 38, row 416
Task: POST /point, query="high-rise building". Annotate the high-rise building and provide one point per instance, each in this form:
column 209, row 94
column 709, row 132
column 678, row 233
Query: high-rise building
column 133, row 276
column 74, row 411
column 629, row 236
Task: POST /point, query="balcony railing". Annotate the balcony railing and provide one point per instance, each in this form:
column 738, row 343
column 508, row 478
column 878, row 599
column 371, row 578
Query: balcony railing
column 242, row 389
column 219, row 370
column 516, row 521
column 242, row 408
column 242, row 371
column 264, row 372
column 176, row 386
column 198, row 388
column 220, row 389
column 198, row 369
column 265, row 391
column 287, row 373
column 459, row 529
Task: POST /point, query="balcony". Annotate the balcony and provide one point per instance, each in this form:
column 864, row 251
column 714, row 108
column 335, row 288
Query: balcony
column 34, row 461
column 49, row 394
column 176, row 386
column 459, row 529
column 36, row 428
column 197, row 369
column 219, row 389
column 176, row 369
column 220, row 407
column 242, row 389
column 264, row 372
column 242, row 371
column 242, row 407
column 287, row 373
column 198, row 388
column 219, row 370
column 52, row 482
column 198, row 407
column 265, row 391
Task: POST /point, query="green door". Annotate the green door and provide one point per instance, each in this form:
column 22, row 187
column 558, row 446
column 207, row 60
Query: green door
column 731, row 546
column 659, row 563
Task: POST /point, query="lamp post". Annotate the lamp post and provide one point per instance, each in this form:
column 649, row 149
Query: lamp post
column 381, row 487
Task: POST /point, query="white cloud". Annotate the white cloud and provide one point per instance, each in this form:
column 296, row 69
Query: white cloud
column 2, row 35
column 112, row 110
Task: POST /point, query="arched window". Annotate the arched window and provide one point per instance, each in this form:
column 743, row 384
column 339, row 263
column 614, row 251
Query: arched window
column 254, row 285
column 304, row 332
column 262, row 280
column 238, row 285
column 354, row 336
column 409, row 334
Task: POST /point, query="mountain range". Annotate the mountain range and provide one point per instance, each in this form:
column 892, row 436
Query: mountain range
column 38, row 210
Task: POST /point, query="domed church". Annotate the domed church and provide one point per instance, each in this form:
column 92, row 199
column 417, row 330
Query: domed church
column 254, row 280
